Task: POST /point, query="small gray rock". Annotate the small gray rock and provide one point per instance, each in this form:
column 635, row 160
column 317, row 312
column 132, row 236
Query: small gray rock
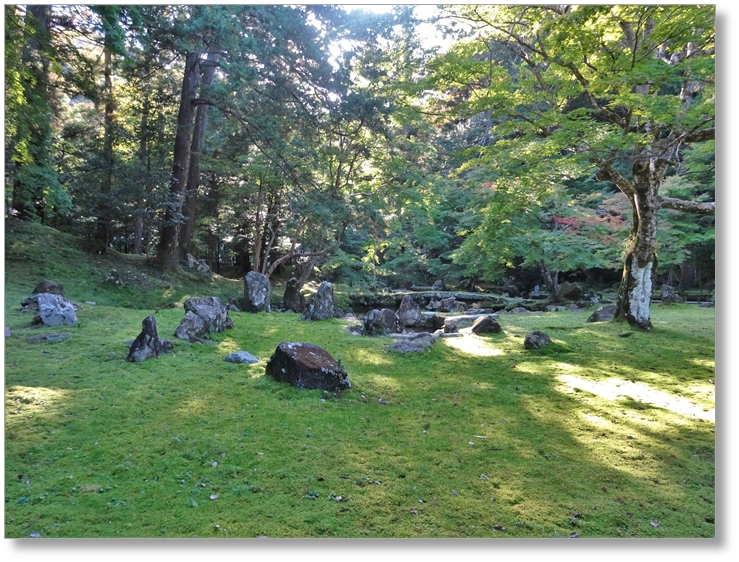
column 536, row 340
column 241, row 357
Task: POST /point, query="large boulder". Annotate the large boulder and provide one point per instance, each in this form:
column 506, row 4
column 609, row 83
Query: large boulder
column 257, row 292
column 416, row 344
column 47, row 286
column 569, row 291
column 409, row 311
column 305, row 365
column 51, row 309
column 148, row 343
column 293, row 299
column 536, row 340
column 206, row 315
column 321, row 305
column 605, row 313
column 431, row 321
column 486, row 325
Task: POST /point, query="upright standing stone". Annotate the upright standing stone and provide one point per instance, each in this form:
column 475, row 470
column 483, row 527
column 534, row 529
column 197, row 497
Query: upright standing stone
column 257, row 292
column 293, row 299
column 321, row 305
column 409, row 311
column 148, row 343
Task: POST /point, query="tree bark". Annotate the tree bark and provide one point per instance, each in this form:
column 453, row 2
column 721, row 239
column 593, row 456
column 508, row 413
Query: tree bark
column 167, row 250
column 196, row 152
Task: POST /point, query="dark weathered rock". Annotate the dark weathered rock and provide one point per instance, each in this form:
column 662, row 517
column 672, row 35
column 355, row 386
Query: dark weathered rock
column 409, row 311
column 430, row 321
column 392, row 322
column 450, row 329
column 605, row 313
column 47, row 286
column 321, row 305
column 305, row 365
column 241, row 357
column 486, row 325
column 51, row 309
column 519, row 310
column 536, row 340
column 554, row 308
column 7, row 332
column 374, row 324
column 257, row 292
column 438, row 285
column 205, row 315
column 569, row 291
column 148, row 343
column 293, row 299
column 415, row 344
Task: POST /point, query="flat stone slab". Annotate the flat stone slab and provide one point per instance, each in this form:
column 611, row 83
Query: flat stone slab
column 465, row 320
column 241, row 357
column 49, row 337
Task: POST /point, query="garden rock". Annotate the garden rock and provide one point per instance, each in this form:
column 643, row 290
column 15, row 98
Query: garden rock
column 148, row 343
column 416, row 344
column 519, row 310
column 191, row 261
column 467, row 320
column 486, row 325
column 430, row 321
column 293, row 299
column 392, row 322
column 569, row 291
column 450, row 329
column 47, row 286
column 670, row 295
column 257, row 292
column 241, row 357
column 49, row 338
column 438, row 285
column 113, row 278
column 7, row 332
column 409, row 311
column 554, row 308
column 321, row 305
column 605, row 313
column 374, row 324
column 536, row 340
column 52, row 309
column 203, row 316
column 305, row 365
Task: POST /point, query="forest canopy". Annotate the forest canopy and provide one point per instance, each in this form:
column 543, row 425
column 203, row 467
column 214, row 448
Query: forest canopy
column 510, row 145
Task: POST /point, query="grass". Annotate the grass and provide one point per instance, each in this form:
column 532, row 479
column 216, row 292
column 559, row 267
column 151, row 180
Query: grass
column 597, row 435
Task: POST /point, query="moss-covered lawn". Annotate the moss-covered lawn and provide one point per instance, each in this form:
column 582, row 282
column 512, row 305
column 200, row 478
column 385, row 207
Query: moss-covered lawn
column 598, row 435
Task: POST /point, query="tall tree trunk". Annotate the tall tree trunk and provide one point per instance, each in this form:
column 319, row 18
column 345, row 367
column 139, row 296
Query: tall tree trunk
column 167, row 250
column 104, row 225
column 196, row 151
column 138, row 215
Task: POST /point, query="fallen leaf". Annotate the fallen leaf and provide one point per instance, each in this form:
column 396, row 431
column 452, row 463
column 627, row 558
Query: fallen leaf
column 654, row 524
column 499, row 528
column 574, row 535
column 484, row 477
column 455, row 492
column 414, row 511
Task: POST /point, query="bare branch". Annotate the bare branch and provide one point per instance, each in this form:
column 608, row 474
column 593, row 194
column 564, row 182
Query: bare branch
column 697, row 207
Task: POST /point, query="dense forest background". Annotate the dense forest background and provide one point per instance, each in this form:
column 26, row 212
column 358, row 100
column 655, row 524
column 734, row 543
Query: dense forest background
column 509, row 145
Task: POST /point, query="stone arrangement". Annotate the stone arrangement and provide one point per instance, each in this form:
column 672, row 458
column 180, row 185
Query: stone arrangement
column 206, row 315
column 257, row 292
column 148, row 343
column 321, row 305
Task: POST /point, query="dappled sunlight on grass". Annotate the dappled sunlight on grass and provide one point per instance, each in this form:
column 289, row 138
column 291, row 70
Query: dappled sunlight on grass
column 473, row 345
column 228, row 346
column 31, row 400
column 615, row 389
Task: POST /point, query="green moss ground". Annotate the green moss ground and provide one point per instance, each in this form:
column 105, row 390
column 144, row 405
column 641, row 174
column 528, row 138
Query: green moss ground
column 598, row 434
